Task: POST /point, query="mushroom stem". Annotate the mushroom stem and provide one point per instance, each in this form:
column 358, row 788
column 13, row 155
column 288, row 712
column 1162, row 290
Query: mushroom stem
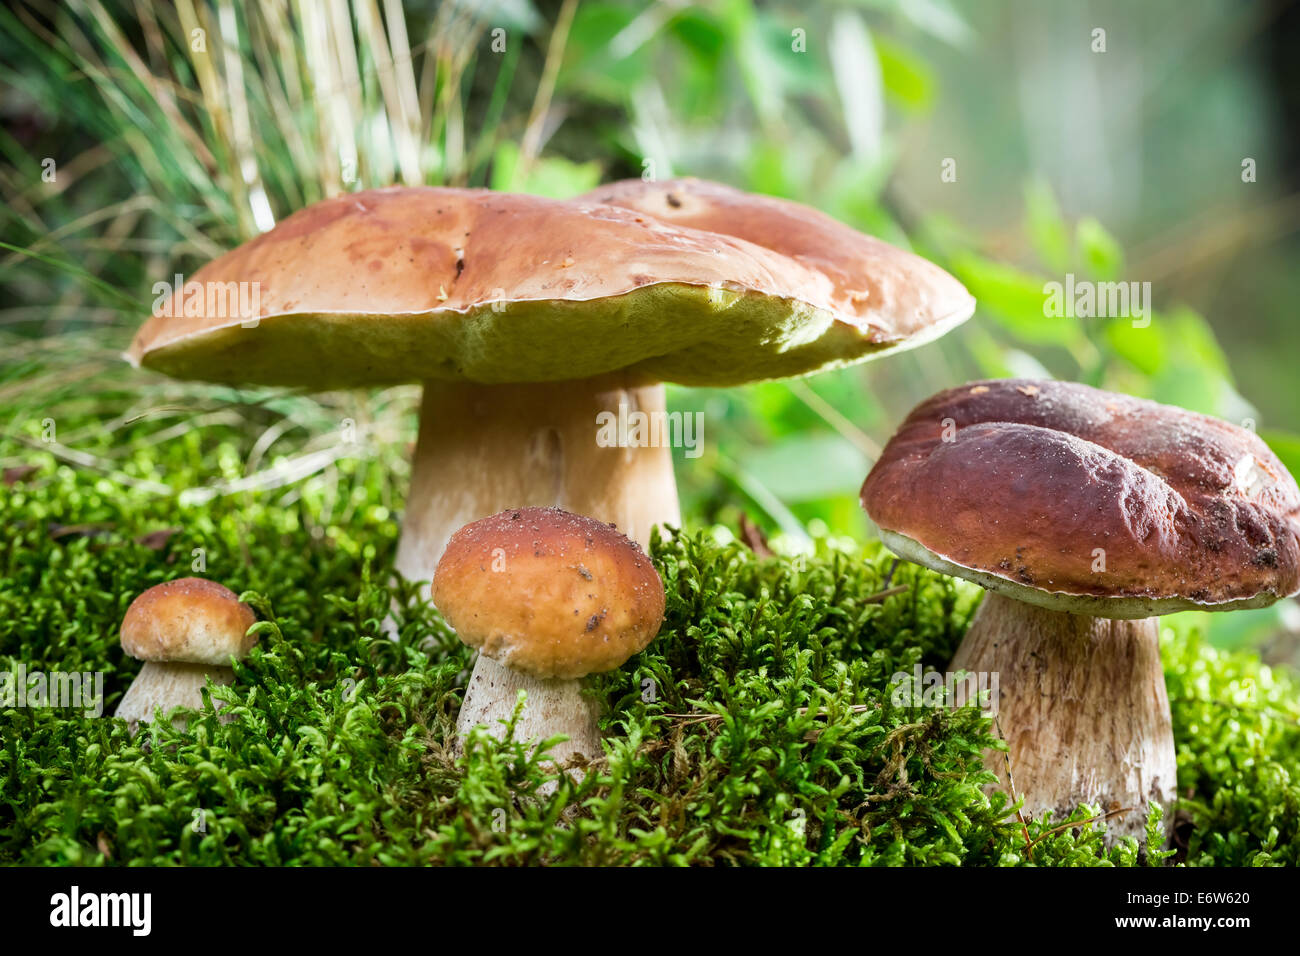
column 485, row 448
column 1083, row 706
column 552, row 707
column 169, row 685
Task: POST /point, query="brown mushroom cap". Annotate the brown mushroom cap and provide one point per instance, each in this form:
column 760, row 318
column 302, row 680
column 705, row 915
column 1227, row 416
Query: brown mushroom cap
column 1087, row 501
column 412, row 284
column 189, row 620
column 890, row 294
column 549, row 593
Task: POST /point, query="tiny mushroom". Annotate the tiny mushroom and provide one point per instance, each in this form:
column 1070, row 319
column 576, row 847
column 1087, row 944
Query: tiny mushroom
column 547, row 597
column 1085, row 514
column 542, row 330
column 185, row 631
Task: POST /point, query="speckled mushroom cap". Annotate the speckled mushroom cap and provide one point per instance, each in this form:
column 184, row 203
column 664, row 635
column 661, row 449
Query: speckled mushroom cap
column 189, row 620
column 411, row 284
column 1087, row 501
column 549, row 593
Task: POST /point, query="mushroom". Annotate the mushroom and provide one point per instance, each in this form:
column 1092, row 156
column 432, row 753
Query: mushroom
column 1085, row 514
column 186, row 631
column 547, row 597
column 530, row 320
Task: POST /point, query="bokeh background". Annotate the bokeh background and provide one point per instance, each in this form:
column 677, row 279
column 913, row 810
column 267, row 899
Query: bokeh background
column 140, row 139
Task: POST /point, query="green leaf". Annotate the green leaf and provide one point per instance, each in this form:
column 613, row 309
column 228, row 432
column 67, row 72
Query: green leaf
column 601, row 60
column 1195, row 340
column 547, row 176
column 1016, row 300
column 807, row 467
column 1198, row 389
column 1102, row 254
column 1048, row 230
column 1143, row 348
column 762, row 76
column 909, row 81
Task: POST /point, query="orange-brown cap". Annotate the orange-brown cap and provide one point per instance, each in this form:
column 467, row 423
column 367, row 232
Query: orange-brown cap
column 549, row 593
column 1088, row 501
column 189, row 620
column 406, row 284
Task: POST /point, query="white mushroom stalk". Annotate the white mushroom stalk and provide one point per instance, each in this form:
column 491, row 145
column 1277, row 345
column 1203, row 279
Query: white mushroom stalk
column 187, row 632
column 551, row 708
column 485, row 448
column 164, row 686
column 1083, row 707
column 547, row 597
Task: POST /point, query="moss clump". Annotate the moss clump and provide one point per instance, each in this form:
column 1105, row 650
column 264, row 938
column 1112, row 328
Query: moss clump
column 1237, row 726
column 756, row 730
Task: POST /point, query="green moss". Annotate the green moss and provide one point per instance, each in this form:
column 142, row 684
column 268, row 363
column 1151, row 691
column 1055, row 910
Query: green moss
column 1237, row 724
column 768, row 738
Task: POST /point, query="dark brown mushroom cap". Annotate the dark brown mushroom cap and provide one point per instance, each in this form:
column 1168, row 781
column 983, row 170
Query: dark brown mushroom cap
column 1088, row 501
column 549, row 593
column 410, row 284
column 189, row 620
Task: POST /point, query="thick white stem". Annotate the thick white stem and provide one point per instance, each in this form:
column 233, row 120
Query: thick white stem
column 552, row 707
column 1083, row 706
column 485, row 448
column 169, row 685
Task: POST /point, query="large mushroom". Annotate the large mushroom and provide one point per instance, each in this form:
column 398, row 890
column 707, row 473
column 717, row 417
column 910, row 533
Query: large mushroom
column 548, row 598
column 1085, row 514
column 187, row 632
column 528, row 318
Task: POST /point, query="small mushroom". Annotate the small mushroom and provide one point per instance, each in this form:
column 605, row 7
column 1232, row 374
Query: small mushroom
column 185, row 631
column 1085, row 514
column 547, row 597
